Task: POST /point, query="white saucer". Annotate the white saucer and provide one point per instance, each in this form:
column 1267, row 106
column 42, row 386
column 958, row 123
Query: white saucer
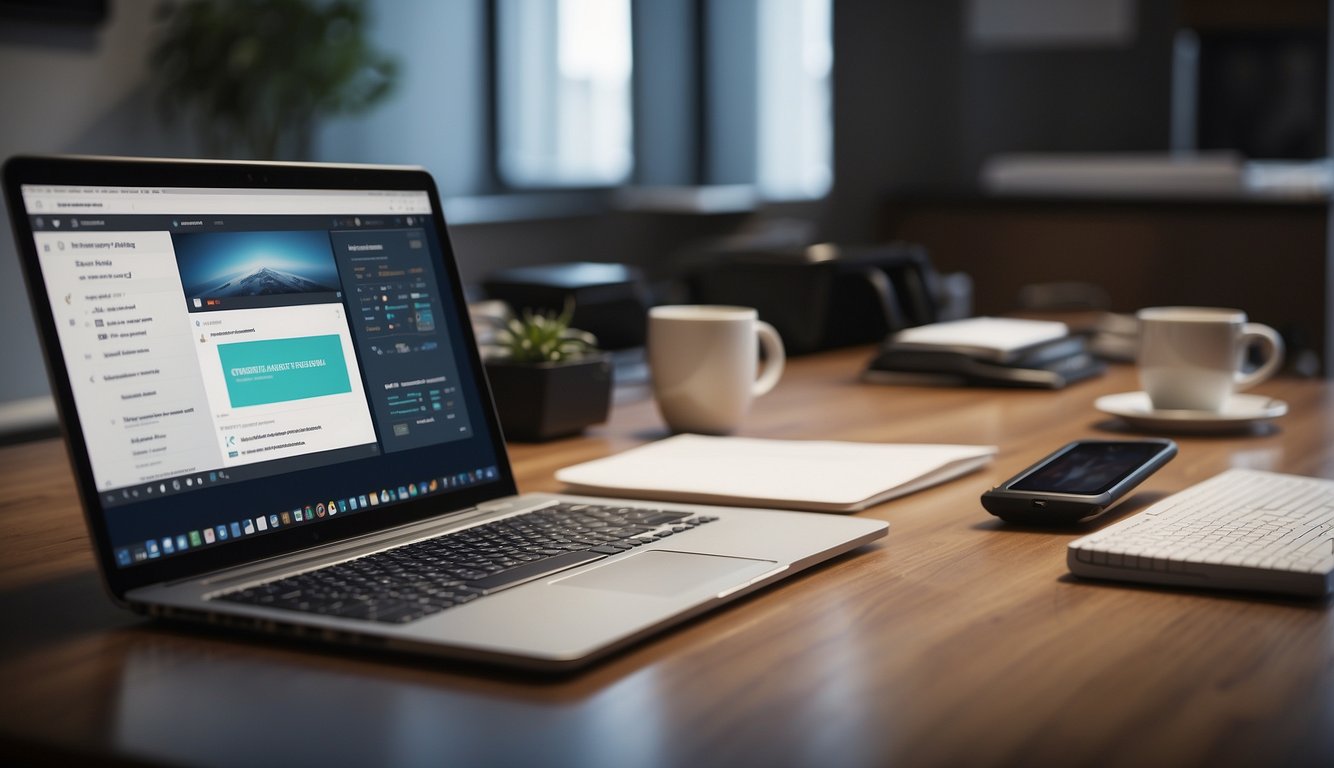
column 1243, row 412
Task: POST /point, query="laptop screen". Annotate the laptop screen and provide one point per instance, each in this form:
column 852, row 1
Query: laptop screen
column 247, row 361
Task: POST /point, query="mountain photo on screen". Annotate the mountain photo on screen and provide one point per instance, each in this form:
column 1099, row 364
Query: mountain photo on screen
column 220, row 265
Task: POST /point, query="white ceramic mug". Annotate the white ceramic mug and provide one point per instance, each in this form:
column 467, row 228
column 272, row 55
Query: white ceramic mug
column 703, row 361
column 1190, row 358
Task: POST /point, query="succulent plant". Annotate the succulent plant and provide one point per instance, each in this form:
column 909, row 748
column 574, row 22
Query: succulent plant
column 544, row 337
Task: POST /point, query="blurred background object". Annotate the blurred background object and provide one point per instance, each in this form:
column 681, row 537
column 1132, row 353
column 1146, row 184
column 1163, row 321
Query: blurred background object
column 607, row 300
column 252, row 77
column 825, row 295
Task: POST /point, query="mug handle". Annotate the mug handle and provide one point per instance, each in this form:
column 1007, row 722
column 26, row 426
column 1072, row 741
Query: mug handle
column 1273, row 344
column 774, row 358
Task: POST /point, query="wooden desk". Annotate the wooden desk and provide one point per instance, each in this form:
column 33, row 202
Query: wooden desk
column 955, row 641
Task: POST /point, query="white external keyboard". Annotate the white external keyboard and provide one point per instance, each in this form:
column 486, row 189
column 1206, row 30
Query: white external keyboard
column 1243, row 529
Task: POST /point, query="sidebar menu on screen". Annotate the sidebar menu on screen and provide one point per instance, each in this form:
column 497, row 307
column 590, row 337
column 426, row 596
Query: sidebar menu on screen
column 395, row 311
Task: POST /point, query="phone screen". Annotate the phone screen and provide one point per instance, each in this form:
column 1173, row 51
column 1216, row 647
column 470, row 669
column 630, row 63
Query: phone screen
column 1089, row 469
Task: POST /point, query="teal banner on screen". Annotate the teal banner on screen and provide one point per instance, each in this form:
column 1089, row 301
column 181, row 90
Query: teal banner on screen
column 278, row 370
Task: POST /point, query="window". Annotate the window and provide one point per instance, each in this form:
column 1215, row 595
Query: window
column 796, row 59
column 563, row 102
column 725, row 92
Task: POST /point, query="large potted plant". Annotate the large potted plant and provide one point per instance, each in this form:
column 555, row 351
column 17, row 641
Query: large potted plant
column 549, row 380
column 253, row 76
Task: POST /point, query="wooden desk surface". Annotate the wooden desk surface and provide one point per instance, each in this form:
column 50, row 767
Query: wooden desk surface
column 955, row 641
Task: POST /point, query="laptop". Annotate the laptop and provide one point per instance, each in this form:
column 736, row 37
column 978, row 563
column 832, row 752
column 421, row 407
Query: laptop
column 278, row 420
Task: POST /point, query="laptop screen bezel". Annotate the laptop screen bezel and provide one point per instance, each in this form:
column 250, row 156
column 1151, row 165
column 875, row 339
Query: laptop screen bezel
column 133, row 172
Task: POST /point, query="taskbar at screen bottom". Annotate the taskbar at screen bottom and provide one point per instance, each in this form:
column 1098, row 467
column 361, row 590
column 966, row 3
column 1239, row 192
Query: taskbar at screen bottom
column 179, row 542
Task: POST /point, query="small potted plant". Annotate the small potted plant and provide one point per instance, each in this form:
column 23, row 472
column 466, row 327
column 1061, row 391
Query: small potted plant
column 549, row 380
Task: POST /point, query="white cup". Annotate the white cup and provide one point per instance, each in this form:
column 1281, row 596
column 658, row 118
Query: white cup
column 1190, row 358
column 704, row 359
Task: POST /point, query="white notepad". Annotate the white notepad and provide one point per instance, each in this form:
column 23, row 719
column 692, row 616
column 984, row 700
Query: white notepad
column 821, row 476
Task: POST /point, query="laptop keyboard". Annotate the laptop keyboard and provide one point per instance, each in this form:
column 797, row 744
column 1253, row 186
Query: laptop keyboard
column 415, row 580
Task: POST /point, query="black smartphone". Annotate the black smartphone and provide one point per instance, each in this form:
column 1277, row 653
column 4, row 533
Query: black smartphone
column 1078, row 482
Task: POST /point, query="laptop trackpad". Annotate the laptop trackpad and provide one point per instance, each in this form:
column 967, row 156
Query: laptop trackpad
column 663, row 573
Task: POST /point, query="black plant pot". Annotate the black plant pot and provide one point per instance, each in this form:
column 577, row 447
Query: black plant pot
column 542, row 401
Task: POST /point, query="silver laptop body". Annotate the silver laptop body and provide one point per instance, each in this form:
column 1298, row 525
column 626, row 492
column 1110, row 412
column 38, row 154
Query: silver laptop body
column 266, row 369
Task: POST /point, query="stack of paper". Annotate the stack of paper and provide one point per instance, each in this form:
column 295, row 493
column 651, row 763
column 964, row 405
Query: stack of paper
column 1001, row 339
column 821, row 476
column 990, row 351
